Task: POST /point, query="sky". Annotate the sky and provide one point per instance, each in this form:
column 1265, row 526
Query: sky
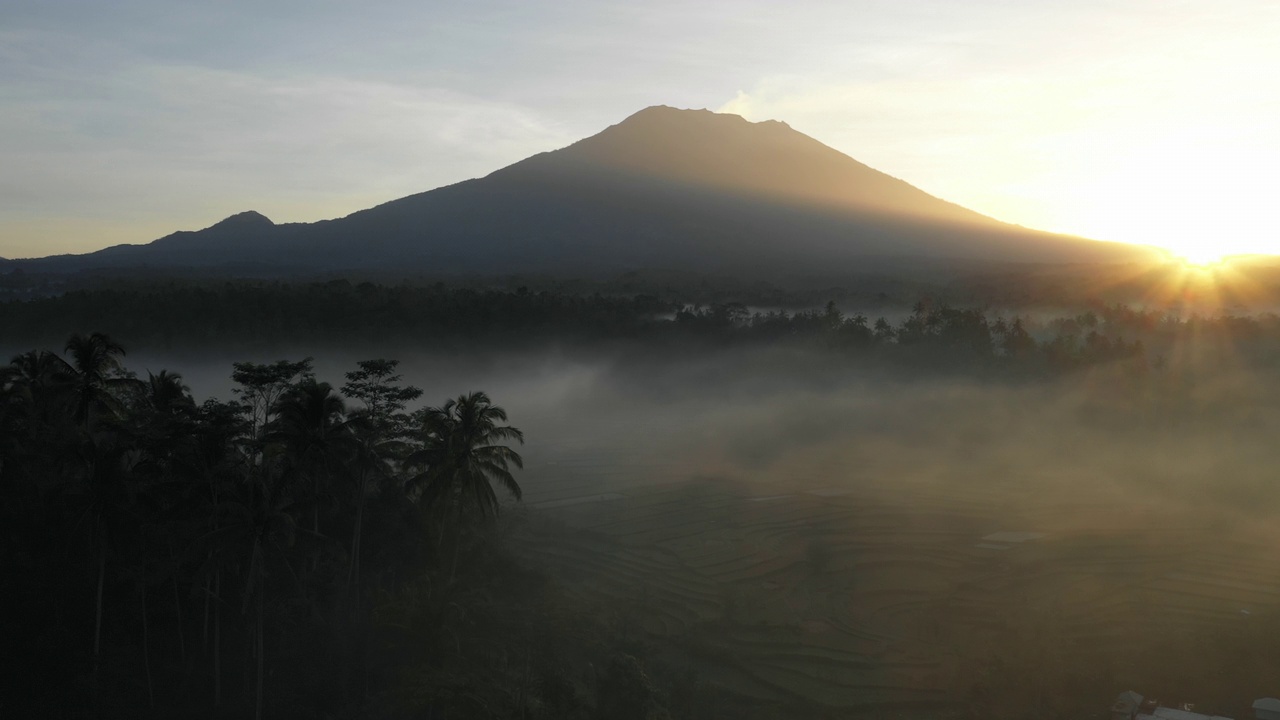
column 1141, row 121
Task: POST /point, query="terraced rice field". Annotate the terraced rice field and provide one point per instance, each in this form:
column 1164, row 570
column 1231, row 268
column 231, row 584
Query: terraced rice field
column 867, row 598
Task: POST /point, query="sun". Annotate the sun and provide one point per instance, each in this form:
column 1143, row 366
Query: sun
column 1201, row 194
column 1200, row 256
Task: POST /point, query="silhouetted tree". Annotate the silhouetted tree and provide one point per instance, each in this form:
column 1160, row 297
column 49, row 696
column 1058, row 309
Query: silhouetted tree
column 463, row 459
column 376, row 385
column 462, row 454
column 96, row 373
column 311, row 427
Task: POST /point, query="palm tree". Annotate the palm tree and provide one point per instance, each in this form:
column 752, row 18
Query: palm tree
column 37, row 401
column 463, row 457
column 45, row 378
column 311, row 426
column 309, row 420
column 95, row 360
column 111, row 465
column 463, row 460
column 93, row 374
column 167, row 394
column 41, row 369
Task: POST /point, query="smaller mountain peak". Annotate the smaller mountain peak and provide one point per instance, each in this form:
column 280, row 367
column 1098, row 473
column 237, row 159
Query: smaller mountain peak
column 245, row 220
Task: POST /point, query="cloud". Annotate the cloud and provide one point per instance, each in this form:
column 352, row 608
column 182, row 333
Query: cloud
column 159, row 146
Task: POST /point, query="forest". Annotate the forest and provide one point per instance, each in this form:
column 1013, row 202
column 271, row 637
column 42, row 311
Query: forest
column 253, row 316
column 299, row 551
column 311, row 549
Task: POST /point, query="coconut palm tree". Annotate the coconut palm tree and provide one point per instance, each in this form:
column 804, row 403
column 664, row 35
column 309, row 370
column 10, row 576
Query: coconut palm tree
column 45, row 379
column 462, row 459
column 310, row 420
column 95, row 360
column 92, row 379
column 463, row 456
column 310, row 425
column 110, row 467
column 167, row 394
column 41, row 369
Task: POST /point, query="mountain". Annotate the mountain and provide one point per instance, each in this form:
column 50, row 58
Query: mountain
column 664, row 189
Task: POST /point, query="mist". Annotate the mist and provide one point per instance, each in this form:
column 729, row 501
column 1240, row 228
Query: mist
column 794, row 524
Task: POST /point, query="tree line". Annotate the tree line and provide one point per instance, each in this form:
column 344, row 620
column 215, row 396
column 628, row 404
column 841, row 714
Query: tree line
column 932, row 335
column 245, row 315
column 302, row 550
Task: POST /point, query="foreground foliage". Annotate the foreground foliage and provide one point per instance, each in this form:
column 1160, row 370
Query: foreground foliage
column 301, row 551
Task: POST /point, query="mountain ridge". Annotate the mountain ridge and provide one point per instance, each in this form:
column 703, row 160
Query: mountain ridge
column 664, row 188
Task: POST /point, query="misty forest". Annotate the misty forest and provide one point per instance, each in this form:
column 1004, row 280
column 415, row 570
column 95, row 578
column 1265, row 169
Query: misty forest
column 710, row 511
column 693, row 418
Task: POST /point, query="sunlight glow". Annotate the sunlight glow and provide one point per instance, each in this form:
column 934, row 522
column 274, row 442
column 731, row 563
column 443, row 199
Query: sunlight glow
column 1201, row 256
column 1202, row 201
column 1209, row 288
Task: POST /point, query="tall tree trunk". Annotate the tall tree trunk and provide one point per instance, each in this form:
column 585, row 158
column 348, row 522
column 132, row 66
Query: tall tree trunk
column 318, row 483
column 177, row 606
column 216, row 599
column 315, row 528
column 258, row 714
column 353, row 574
column 204, row 634
column 457, row 540
column 146, row 650
column 217, row 635
column 524, row 682
column 97, row 622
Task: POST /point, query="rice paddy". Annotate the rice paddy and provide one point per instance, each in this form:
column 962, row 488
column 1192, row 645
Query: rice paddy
column 879, row 598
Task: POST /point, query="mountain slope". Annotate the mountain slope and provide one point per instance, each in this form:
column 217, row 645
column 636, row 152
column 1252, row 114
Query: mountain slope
column 664, row 189
column 766, row 160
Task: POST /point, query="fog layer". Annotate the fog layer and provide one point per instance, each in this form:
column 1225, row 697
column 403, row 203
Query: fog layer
column 813, row 532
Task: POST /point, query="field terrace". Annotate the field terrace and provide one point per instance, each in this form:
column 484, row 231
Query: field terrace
column 869, row 596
